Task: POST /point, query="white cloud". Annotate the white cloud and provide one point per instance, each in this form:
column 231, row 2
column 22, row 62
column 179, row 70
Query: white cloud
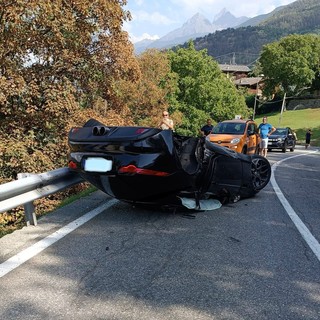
column 155, row 18
column 144, row 36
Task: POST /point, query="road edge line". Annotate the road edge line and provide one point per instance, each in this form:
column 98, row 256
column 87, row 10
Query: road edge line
column 25, row 255
column 311, row 241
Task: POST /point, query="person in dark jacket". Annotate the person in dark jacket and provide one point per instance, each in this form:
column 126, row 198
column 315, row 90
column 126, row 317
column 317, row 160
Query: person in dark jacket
column 308, row 138
column 207, row 128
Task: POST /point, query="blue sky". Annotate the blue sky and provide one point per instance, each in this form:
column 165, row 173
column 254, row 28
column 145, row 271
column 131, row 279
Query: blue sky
column 153, row 19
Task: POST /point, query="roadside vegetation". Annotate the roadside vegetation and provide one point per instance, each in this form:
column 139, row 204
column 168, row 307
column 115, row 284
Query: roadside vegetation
column 62, row 64
column 291, row 65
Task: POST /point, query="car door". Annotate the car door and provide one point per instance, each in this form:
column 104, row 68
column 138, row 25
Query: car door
column 252, row 138
column 290, row 138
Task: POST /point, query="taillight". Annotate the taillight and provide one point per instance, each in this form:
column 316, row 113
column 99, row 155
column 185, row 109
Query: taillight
column 141, row 130
column 72, row 165
column 75, row 129
column 132, row 169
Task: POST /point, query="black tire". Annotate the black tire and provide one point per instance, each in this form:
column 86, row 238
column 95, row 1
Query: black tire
column 269, row 149
column 93, row 123
column 292, row 148
column 260, row 171
column 285, row 146
column 244, row 150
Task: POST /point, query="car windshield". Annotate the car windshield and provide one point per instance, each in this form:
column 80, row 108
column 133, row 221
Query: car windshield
column 280, row 131
column 229, row 128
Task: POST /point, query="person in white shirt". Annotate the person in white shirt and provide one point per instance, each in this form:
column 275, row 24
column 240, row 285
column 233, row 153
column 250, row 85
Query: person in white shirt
column 166, row 123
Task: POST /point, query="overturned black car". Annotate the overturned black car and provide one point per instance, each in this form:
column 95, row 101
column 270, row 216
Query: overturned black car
column 150, row 166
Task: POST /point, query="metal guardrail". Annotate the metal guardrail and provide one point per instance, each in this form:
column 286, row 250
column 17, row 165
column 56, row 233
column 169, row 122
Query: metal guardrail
column 30, row 187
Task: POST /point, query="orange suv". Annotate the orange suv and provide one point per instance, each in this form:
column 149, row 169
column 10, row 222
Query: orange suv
column 239, row 135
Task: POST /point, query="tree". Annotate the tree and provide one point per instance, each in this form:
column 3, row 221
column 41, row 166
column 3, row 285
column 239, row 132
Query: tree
column 55, row 56
column 204, row 91
column 290, row 64
column 154, row 91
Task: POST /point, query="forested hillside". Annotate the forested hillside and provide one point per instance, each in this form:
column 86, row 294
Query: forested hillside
column 300, row 17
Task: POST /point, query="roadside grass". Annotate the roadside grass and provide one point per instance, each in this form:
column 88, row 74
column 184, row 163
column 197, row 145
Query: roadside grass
column 298, row 120
column 77, row 196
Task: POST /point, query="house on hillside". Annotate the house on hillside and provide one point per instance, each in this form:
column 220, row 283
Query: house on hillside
column 239, row 75
column 235, row 71
column 253, row 85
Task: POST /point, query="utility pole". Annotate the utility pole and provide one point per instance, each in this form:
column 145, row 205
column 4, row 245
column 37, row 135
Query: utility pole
column 254, row 108
column 282, row 108
column 255, row 101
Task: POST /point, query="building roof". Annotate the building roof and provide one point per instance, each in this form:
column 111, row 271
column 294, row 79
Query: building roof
column 234, row 68
column 247, row 81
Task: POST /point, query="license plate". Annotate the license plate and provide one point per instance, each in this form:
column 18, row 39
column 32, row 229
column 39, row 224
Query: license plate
column 269, row 143
column 97, row 165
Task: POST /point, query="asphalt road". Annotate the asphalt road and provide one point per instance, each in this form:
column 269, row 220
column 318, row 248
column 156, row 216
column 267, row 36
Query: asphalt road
column 246, row 260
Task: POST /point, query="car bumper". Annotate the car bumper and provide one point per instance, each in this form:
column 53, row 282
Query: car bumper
column 275, row 145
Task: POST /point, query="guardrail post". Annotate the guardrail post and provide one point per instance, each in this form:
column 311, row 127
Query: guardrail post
column 29, row 209
column 30, row 187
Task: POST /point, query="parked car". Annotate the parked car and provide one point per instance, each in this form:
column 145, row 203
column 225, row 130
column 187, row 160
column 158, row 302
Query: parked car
column 282, row 138
column 238, row 135
column 150, row 166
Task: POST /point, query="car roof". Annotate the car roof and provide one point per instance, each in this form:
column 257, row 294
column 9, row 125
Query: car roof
column 237, row 121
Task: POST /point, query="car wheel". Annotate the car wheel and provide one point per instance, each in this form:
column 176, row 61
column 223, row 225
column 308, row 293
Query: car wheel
column 284, row 149
column 260, row 171
column 93, row 123
column 292, row 148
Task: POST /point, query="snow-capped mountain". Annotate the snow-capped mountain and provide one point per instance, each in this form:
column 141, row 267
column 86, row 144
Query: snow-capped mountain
column 197, row 26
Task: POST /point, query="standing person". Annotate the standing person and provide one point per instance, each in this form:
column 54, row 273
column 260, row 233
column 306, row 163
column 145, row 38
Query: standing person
column 166, row 123
column 207, row 128
column 308, row 138
column 265, row 129
column 295, row 135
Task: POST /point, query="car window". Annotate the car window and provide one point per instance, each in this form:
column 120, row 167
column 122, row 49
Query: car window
column 252, row 127
column 220, row 128
column 229, row 128
column 281, row 131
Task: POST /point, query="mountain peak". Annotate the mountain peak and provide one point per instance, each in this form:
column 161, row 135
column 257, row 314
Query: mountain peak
column 197, row 18
column 197, row 26
column 220, row 14
column 224, row 19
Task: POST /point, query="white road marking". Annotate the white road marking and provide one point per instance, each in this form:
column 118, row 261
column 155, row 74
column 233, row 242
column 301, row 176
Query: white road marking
column 304, row 231
column 36, row 248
